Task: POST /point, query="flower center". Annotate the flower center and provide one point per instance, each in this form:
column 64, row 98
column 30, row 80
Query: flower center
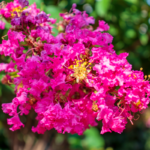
column 81, row 68
column 18, row 10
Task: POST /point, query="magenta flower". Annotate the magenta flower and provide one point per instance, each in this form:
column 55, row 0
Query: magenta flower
column 23, row 3
column 2, row 25
column 70, row 80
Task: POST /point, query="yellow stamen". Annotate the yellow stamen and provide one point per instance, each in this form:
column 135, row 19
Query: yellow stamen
column 137, row 103
column 80, row 70
column 20, row 85
column 145, row 76
column 95, row 106
column 18, row 10
column 141, row 68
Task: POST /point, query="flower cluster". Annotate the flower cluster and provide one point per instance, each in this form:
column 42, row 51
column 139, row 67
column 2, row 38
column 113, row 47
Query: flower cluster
column 70, row 80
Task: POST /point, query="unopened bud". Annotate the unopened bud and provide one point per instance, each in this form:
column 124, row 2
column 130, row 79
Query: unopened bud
column 60, row 28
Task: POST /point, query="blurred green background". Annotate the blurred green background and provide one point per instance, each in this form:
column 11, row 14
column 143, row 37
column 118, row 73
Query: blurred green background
column 129, row 22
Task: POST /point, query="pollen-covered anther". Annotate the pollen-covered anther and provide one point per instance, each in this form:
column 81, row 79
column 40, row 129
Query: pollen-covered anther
column 94, row 106
column 32, row 99
column 141, row 68
column 81, row 68
column 138, row 104
column 18, row 10
column 134, row 76
column 20, row 85
column 146, row 77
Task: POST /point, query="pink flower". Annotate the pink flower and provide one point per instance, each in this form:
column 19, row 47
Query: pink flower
column 70, row 80
column 15, row 121
column 2, row 25
column 102, row 26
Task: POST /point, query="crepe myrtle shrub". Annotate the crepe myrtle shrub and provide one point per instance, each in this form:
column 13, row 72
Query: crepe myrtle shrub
column 71, row 80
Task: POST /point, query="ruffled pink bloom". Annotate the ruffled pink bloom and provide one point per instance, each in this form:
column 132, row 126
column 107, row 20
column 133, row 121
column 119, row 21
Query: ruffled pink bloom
column 102, row 26
column 8, row 9
column 70, row 80
column 15, row 121
column 2, row 25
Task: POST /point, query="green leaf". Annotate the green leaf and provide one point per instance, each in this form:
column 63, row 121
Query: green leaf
column 102, row 7
column 55, row 31
column 144, row 39
column 134, row 60
column 130, row 33
column 1, row 75
column 132, row 1
column 93, row 139
column 7, row 24
column 54, row 11
column 38, row 2
column 75, row 1
column 74, row 141
column 113, row 31
column 62, row 4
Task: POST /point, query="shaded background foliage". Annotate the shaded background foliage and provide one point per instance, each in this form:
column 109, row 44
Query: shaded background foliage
column 129, row 22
